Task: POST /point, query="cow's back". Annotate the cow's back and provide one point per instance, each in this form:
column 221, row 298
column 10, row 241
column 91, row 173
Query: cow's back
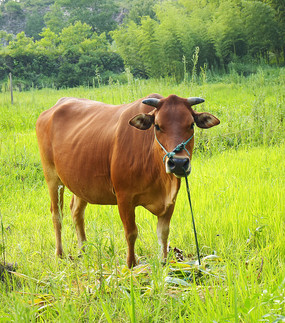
column 78, row 138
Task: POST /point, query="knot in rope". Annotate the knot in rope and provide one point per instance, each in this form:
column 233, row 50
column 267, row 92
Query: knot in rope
column 179, row 147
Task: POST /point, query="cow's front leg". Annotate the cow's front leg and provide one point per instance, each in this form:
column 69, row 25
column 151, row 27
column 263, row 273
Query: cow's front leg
column 127, row 214
column 162, row 230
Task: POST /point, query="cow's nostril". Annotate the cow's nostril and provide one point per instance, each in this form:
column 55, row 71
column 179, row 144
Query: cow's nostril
column 186, row 164
column 171, row 164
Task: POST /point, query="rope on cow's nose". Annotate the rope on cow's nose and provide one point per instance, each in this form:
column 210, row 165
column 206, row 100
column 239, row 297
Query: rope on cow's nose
column 177, row 149
column 193, row 221
column 170, row 155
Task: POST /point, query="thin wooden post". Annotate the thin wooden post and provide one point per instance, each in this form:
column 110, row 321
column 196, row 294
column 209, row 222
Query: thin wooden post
column 11, row 87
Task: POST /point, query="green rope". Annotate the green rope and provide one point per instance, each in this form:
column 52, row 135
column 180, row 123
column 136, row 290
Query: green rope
column 170, row 155
column 177, row 149
column 193, row 221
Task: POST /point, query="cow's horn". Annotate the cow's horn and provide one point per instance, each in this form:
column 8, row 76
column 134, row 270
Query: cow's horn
column 151, row 101
column 193, row 101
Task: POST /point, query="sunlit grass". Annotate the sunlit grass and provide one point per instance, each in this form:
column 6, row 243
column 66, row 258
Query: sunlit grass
column 237, row 189
column 233, row 195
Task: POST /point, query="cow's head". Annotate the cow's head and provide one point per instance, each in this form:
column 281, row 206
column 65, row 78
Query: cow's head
column 173, row 119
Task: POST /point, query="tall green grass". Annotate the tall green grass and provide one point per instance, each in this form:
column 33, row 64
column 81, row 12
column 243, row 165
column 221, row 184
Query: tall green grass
column 237, row 189
column 251, row 109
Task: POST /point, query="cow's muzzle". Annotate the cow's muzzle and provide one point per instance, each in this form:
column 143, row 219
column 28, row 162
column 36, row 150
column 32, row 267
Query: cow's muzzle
column 178, row 166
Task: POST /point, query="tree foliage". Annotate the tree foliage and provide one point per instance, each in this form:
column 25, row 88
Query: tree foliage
column 69, row 42
column 76, row 56
column 55, row 19
column 139, row 8
column 224, row 31
column 96, row 13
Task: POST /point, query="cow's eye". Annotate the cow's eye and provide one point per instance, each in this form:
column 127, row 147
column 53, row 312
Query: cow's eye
column 192, row 126
column 157, row 127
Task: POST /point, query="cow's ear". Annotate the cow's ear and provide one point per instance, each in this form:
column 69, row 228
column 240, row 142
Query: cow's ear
column 205, row 120
column 142, row 121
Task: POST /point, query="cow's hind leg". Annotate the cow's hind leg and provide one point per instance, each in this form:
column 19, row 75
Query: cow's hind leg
column 163, row 230
column 77, row 207
column 56, row 190
column 127, row 214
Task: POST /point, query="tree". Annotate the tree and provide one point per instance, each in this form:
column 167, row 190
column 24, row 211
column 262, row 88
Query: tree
column 55, row 19
column 127, row 45
column 71, row 36
column 11, row 17
column 227, row 32
column 22, row 45
column 48, row 43
column 5, row 38
column 140, row 8
column 279, row 12
column 13, row 8
column 34, row 24
column 96, row 13
column 260, row 27
column 150, row 48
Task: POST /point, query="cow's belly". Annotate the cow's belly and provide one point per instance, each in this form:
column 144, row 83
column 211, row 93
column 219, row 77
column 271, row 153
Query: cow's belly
column 85, row 180
column 97, row 190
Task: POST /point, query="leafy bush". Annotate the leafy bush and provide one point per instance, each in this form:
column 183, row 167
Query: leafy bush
column 72, row 58
column 222, row 30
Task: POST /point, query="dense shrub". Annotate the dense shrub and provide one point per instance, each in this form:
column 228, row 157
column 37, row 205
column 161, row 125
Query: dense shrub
column 176, row 38
column 74, row 57
column 223, row 31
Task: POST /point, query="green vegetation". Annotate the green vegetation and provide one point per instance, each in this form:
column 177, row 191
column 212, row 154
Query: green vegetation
column 75, row 56
column 225, row 31
column 64, row 43
column 238, row 192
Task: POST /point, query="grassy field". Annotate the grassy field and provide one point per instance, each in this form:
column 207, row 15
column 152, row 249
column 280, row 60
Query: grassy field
column 238, row 193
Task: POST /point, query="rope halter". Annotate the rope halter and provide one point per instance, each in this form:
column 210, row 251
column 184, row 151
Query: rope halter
column 176, row 150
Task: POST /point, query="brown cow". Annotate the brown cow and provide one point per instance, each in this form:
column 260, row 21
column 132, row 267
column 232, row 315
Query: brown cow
column 96, row 150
